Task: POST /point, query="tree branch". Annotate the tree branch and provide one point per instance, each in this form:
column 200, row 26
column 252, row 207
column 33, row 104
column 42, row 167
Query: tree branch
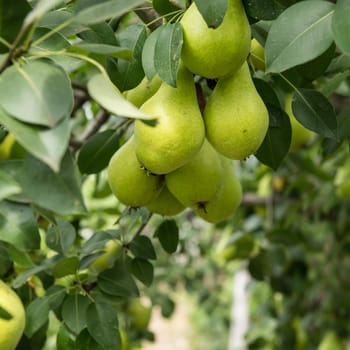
column 149, row 16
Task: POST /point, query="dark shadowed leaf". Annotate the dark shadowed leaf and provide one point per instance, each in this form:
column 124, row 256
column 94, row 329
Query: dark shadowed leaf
column 60, row 237
column 168, row 234
column 142, row 247
column 266, row 9
column 143, row 270
column 315, row 112
column 118, row 281
column 97, row 151
column 277, row 140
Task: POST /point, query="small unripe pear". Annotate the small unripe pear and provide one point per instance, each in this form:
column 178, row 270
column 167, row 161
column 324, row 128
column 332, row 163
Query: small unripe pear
column 129, row 181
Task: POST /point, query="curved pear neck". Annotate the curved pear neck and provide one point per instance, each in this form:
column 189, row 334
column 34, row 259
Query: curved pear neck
column 185, row 89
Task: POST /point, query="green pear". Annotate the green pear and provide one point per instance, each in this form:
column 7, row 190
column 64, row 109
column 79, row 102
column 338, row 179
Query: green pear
column 129, row 181
column 179, row 129
column 214, row 53
column 197, row 181
column 257, row 55
column 227, row 199
column 342, row 181
column 11, row 330
column 139, row 312
column 235, row 116
column 110, row 254
column 301, row 136
column 331, row 341
column 165, row 204
column 142, row 92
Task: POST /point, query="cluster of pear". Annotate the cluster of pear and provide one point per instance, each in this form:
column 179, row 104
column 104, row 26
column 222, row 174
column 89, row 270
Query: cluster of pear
column 184, row 159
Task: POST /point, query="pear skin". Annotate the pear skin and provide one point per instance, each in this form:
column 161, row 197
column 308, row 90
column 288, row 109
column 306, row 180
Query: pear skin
column 257, row 55
column 301, row 136
column 235, row 116
column 198, row 180
column 227, row 199
column 165, row 204
column 129, row 181
column 179, row 129
column 214, row 53
column 11, row 330
column 142, row 92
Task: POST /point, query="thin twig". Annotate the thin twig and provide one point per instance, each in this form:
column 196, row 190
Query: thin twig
column 142, row 226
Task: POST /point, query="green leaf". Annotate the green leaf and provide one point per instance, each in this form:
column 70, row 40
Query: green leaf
column 142, row 247
column 118, row 281
column 143, row 270
column 8, row 186
column 53, row 42
column 168, row 51
column 49, row 145
column 341, row 25
column 57, row 19
column 100, row 33
column 105, row 10
column 213, row 12
column 66, row 266
column 148, row 53
column 6, row 262
column 304, row 28
column 60, row 237
column 266, row 92
column 95, row 154
column 266, row 9
column 164, row 7
column 41, row 7
column 277, row 140
column 38, row 92
column 108, row 96
column 102, row 324
column 107, row 50
column 38, row 180
column 74, row 310
column 44, row 265
column 85, row 341
column 168, row 235
column 55, row 294
column 315, row 112
column 11, row 17
column 17, row 256
column 18, row 225
column 64, row 339
column 37, row 314
column 128, row 74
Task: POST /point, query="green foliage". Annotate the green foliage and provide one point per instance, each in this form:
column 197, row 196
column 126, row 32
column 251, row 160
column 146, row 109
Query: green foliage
column 64, row 68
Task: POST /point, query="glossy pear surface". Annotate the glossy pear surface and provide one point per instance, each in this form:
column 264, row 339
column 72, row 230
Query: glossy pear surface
column 235, row 116
column 11, row 330
column 198, row 180
column 226, row 201
column 179, row 129
column 165, row 204
column 142, row 92
column 301, row 136
column 129, row 181
column 214, row 53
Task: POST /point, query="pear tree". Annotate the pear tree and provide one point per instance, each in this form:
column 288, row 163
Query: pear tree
column 147, row 145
